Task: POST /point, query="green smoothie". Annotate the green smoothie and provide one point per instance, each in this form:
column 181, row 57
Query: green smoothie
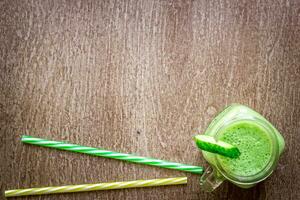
column 258, row 141
column 254, row 144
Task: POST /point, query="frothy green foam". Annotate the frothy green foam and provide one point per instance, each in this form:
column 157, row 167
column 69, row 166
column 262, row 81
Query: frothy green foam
column 254, row 144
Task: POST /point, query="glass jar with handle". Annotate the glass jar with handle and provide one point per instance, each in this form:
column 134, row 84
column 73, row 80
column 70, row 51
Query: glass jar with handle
column 258, row 140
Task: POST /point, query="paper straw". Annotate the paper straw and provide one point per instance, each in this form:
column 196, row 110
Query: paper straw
column 96, row 186
column 111, row 154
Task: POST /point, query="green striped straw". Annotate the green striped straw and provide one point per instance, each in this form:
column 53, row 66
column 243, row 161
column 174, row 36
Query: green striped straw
column 96, row 186
column 111, row 154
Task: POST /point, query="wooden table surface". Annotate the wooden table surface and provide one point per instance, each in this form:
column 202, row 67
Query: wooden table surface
column 143, row 77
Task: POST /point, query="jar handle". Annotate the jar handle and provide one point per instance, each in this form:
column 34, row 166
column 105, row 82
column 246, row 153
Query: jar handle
column 210, row 180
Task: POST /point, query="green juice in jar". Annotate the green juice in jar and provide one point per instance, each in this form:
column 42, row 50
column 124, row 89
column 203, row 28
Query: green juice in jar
column 254, row 144
column 259, row 142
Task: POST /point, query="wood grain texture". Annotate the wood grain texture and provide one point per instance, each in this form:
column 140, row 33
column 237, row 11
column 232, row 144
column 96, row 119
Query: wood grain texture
column 142, row 77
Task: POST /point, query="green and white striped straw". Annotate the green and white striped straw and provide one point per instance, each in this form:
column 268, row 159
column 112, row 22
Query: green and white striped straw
column 111, row 154
column 96, row 186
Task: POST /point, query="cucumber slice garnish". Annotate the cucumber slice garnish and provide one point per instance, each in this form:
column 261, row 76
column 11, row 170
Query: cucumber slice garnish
column 208, row 143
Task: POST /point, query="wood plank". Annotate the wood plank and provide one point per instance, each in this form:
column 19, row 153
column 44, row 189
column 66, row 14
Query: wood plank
column 142, row 77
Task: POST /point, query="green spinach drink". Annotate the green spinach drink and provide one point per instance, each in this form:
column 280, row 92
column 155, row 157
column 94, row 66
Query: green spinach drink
column 257, row 140
column 254, row 144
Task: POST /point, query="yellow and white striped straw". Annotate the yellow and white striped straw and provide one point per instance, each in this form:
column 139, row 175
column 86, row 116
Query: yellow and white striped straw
column 96, row 186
